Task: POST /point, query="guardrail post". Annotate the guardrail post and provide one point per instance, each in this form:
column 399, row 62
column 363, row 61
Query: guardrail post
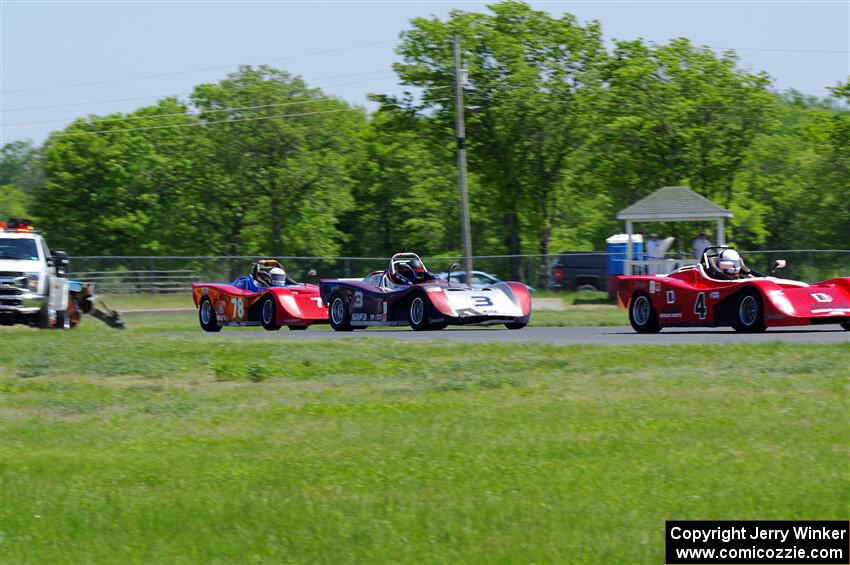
column 152, row 277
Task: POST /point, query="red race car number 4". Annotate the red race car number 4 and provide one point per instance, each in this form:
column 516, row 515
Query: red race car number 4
column 700, row 308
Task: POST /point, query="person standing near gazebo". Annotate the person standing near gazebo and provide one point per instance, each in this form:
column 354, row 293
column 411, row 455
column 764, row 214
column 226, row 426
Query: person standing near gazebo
column 700, row 244
column 653, row 247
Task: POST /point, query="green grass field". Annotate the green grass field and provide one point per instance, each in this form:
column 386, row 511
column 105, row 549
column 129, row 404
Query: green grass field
column 159, row 445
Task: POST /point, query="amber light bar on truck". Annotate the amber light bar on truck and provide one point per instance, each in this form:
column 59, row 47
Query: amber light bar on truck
column 17, row 225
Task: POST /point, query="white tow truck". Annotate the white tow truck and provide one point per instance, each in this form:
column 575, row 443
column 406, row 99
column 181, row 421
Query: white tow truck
column 33, row 289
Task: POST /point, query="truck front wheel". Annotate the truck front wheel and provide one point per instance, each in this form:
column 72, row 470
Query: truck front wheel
column 43, row 318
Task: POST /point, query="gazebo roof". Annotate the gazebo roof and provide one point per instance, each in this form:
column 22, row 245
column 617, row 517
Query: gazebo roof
column 673, row 203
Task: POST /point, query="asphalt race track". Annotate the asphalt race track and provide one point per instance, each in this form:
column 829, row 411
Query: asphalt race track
column 564, row 336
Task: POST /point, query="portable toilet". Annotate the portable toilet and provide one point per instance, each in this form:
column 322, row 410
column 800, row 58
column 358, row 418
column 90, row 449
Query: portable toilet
column 616, row 247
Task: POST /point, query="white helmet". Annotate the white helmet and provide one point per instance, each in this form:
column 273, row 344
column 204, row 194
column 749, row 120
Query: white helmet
column 729, row 262
column 278, row 276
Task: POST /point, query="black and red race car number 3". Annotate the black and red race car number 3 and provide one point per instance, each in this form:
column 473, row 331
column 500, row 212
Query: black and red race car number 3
column 699, row 306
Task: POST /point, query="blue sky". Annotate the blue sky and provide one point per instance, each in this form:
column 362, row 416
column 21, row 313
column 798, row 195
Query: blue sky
column 345, row 47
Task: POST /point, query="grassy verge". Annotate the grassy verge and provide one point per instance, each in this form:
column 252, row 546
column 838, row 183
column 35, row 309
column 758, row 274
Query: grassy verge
column 143, row 447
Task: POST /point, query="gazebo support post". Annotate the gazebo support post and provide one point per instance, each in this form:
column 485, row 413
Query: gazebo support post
column 721, row 232
column 629, row 230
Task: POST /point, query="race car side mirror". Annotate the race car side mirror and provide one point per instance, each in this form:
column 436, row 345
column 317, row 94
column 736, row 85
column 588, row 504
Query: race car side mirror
column 780, row 264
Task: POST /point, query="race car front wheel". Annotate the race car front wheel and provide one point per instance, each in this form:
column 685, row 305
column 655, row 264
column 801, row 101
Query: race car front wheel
column 268, row 313
column 338, row 314
column 642, row 315
column 418, row 315
column 749, row 315
column 207, row 318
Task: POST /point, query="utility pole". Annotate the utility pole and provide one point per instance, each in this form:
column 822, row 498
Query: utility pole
column 460, row 81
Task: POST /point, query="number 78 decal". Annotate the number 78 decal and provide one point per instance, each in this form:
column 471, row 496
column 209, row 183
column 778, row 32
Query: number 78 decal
column 699, row 306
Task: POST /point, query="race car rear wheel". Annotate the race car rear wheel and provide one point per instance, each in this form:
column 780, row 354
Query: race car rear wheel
column 338, row 314
column 749, row 314
column 642, row 315
column 418, row 313
column 268, row 313
column 206, row 316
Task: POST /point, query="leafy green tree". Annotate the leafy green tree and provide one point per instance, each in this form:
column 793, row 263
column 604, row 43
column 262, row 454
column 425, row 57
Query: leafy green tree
column 406, row 194
column 528, row 73
column 792, row 189
column 113, row 182
column 282, row 161
column 21, row 172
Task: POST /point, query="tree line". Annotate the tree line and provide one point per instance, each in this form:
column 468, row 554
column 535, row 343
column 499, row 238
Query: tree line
column 562, row 134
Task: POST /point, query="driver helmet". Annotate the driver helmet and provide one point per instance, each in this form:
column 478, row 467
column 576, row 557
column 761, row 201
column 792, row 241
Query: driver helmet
column 405, row 274
column 729, row 262
column 414, row 270
column 277, row 276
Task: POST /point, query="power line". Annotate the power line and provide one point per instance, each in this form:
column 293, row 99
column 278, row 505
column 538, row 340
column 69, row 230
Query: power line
column 190, row 93
column 360, row 46
column 157, row 116
column 207, row 123
column 198, row 70
column 783, row 50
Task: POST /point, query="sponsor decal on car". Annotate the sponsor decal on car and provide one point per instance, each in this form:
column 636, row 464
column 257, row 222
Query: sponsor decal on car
column 714, row 294
column 670, row 315
column 821, row 297
column 671, row 297
column 833, row 310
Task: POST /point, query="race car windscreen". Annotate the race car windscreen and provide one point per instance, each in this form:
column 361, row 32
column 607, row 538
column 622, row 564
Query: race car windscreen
column 18, row 248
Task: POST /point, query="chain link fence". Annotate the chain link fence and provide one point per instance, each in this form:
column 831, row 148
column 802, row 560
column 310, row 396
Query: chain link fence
column 169, row 274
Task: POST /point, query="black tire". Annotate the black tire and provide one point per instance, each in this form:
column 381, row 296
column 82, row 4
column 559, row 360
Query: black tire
column 642, row 316
column 516, row 325
column 417, row 313
column 61, row 316
column 43, row 318
column 297, row 327
column 207, row 317
column 268, row 313
column 338, row 314
column 846, row 326
column 749, row 312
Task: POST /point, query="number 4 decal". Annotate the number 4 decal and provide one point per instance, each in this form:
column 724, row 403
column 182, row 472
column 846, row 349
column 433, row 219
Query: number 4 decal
column 699, row 306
